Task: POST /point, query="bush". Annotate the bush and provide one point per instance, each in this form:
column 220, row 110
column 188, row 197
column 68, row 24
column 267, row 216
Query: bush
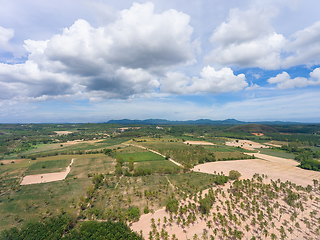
column 142, row 172
column 133, row 214
column 233, row 175
column 172, row 205
column 221, row 179
column 205, row 205
column 146, row 210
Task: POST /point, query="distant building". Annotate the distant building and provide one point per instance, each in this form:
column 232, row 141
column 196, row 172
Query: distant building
column 157, row 127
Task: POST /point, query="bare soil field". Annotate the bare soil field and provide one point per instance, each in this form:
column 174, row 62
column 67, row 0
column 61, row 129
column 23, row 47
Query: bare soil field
column 275, row 168
column 246, row 144
column 62, row 132
column 10, row 161
column 273, row 145
column 204, row 226
column 198, row 143
column 46, row 177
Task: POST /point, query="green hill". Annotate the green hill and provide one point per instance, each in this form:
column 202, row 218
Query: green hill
column 252, row 128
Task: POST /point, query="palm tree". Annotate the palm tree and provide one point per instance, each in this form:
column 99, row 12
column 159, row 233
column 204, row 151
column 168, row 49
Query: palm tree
column 209, row 225
column 247, row 229
column 150, row 236
column 273, row 236
column 265, row 233
column 290, row 231
column 164, row 221
column 204, row 234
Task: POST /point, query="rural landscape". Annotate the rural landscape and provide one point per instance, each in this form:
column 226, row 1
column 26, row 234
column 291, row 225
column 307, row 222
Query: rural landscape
column 159, row 120
column 178, row 180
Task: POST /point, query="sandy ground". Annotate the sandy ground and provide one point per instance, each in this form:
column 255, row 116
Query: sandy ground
column 47, row 177
column 144, row 225
column 246, row 144
column 200, row 225
column 273, row 145
column 274, row 167
column 198, row 143
column 62, row 132
column 10, row 160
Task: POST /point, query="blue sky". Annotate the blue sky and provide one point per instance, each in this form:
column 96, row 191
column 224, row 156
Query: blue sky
column 92, row 61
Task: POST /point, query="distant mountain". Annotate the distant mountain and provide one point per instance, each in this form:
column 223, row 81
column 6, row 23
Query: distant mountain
column 192, row 122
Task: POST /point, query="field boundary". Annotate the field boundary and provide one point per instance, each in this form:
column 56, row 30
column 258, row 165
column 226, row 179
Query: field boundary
column 46, row 177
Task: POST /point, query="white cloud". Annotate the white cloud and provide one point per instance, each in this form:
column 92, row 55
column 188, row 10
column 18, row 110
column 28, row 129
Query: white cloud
column 117, row 60
column 247, row 40
column 284, row 81
column 211, row 81
column 304, row 47
column 252, row 86
column 5, row 35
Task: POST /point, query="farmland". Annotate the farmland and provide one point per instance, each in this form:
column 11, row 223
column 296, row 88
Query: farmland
column 118, row 176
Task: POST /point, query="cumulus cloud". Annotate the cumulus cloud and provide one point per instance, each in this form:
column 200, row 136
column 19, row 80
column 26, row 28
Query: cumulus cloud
column 304, row 47
column 211, row 81
column 118, row 60
column 284, row 81
column 247, row 40
column 5, row 35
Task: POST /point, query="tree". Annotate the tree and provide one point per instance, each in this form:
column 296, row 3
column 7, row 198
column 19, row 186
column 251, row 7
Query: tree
column 172, row 205
column 209, row 225
column 120, row 160
column 131, row 164
column 233, row 175
column 205, row 205
column 118, row 170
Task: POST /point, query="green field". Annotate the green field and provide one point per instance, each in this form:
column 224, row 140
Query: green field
column 155, row 165
column 277, row 153
column 78, row 146
column 29, row 202
column 140, row 156
column 40, row 167
column 192, row 182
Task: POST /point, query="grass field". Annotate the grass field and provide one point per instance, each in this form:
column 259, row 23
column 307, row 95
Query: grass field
column 48, row 166
column 155, row 165
column 77, row 146
column 276, row 153
column 29, row 202
column 140, row 156
column 14, row 170
column 191, row 182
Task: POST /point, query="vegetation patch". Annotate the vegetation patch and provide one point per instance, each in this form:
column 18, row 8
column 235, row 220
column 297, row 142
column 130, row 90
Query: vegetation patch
column 48, row 166
column 140, row 156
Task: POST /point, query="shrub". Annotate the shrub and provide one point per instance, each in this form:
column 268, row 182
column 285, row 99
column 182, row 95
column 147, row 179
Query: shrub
column 205, row 205
column 233, row 175
column 221, row 179
column 146, row 210
column 172, row 205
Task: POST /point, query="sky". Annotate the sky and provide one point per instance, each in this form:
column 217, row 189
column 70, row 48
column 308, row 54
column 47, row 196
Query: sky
column 92, row 61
